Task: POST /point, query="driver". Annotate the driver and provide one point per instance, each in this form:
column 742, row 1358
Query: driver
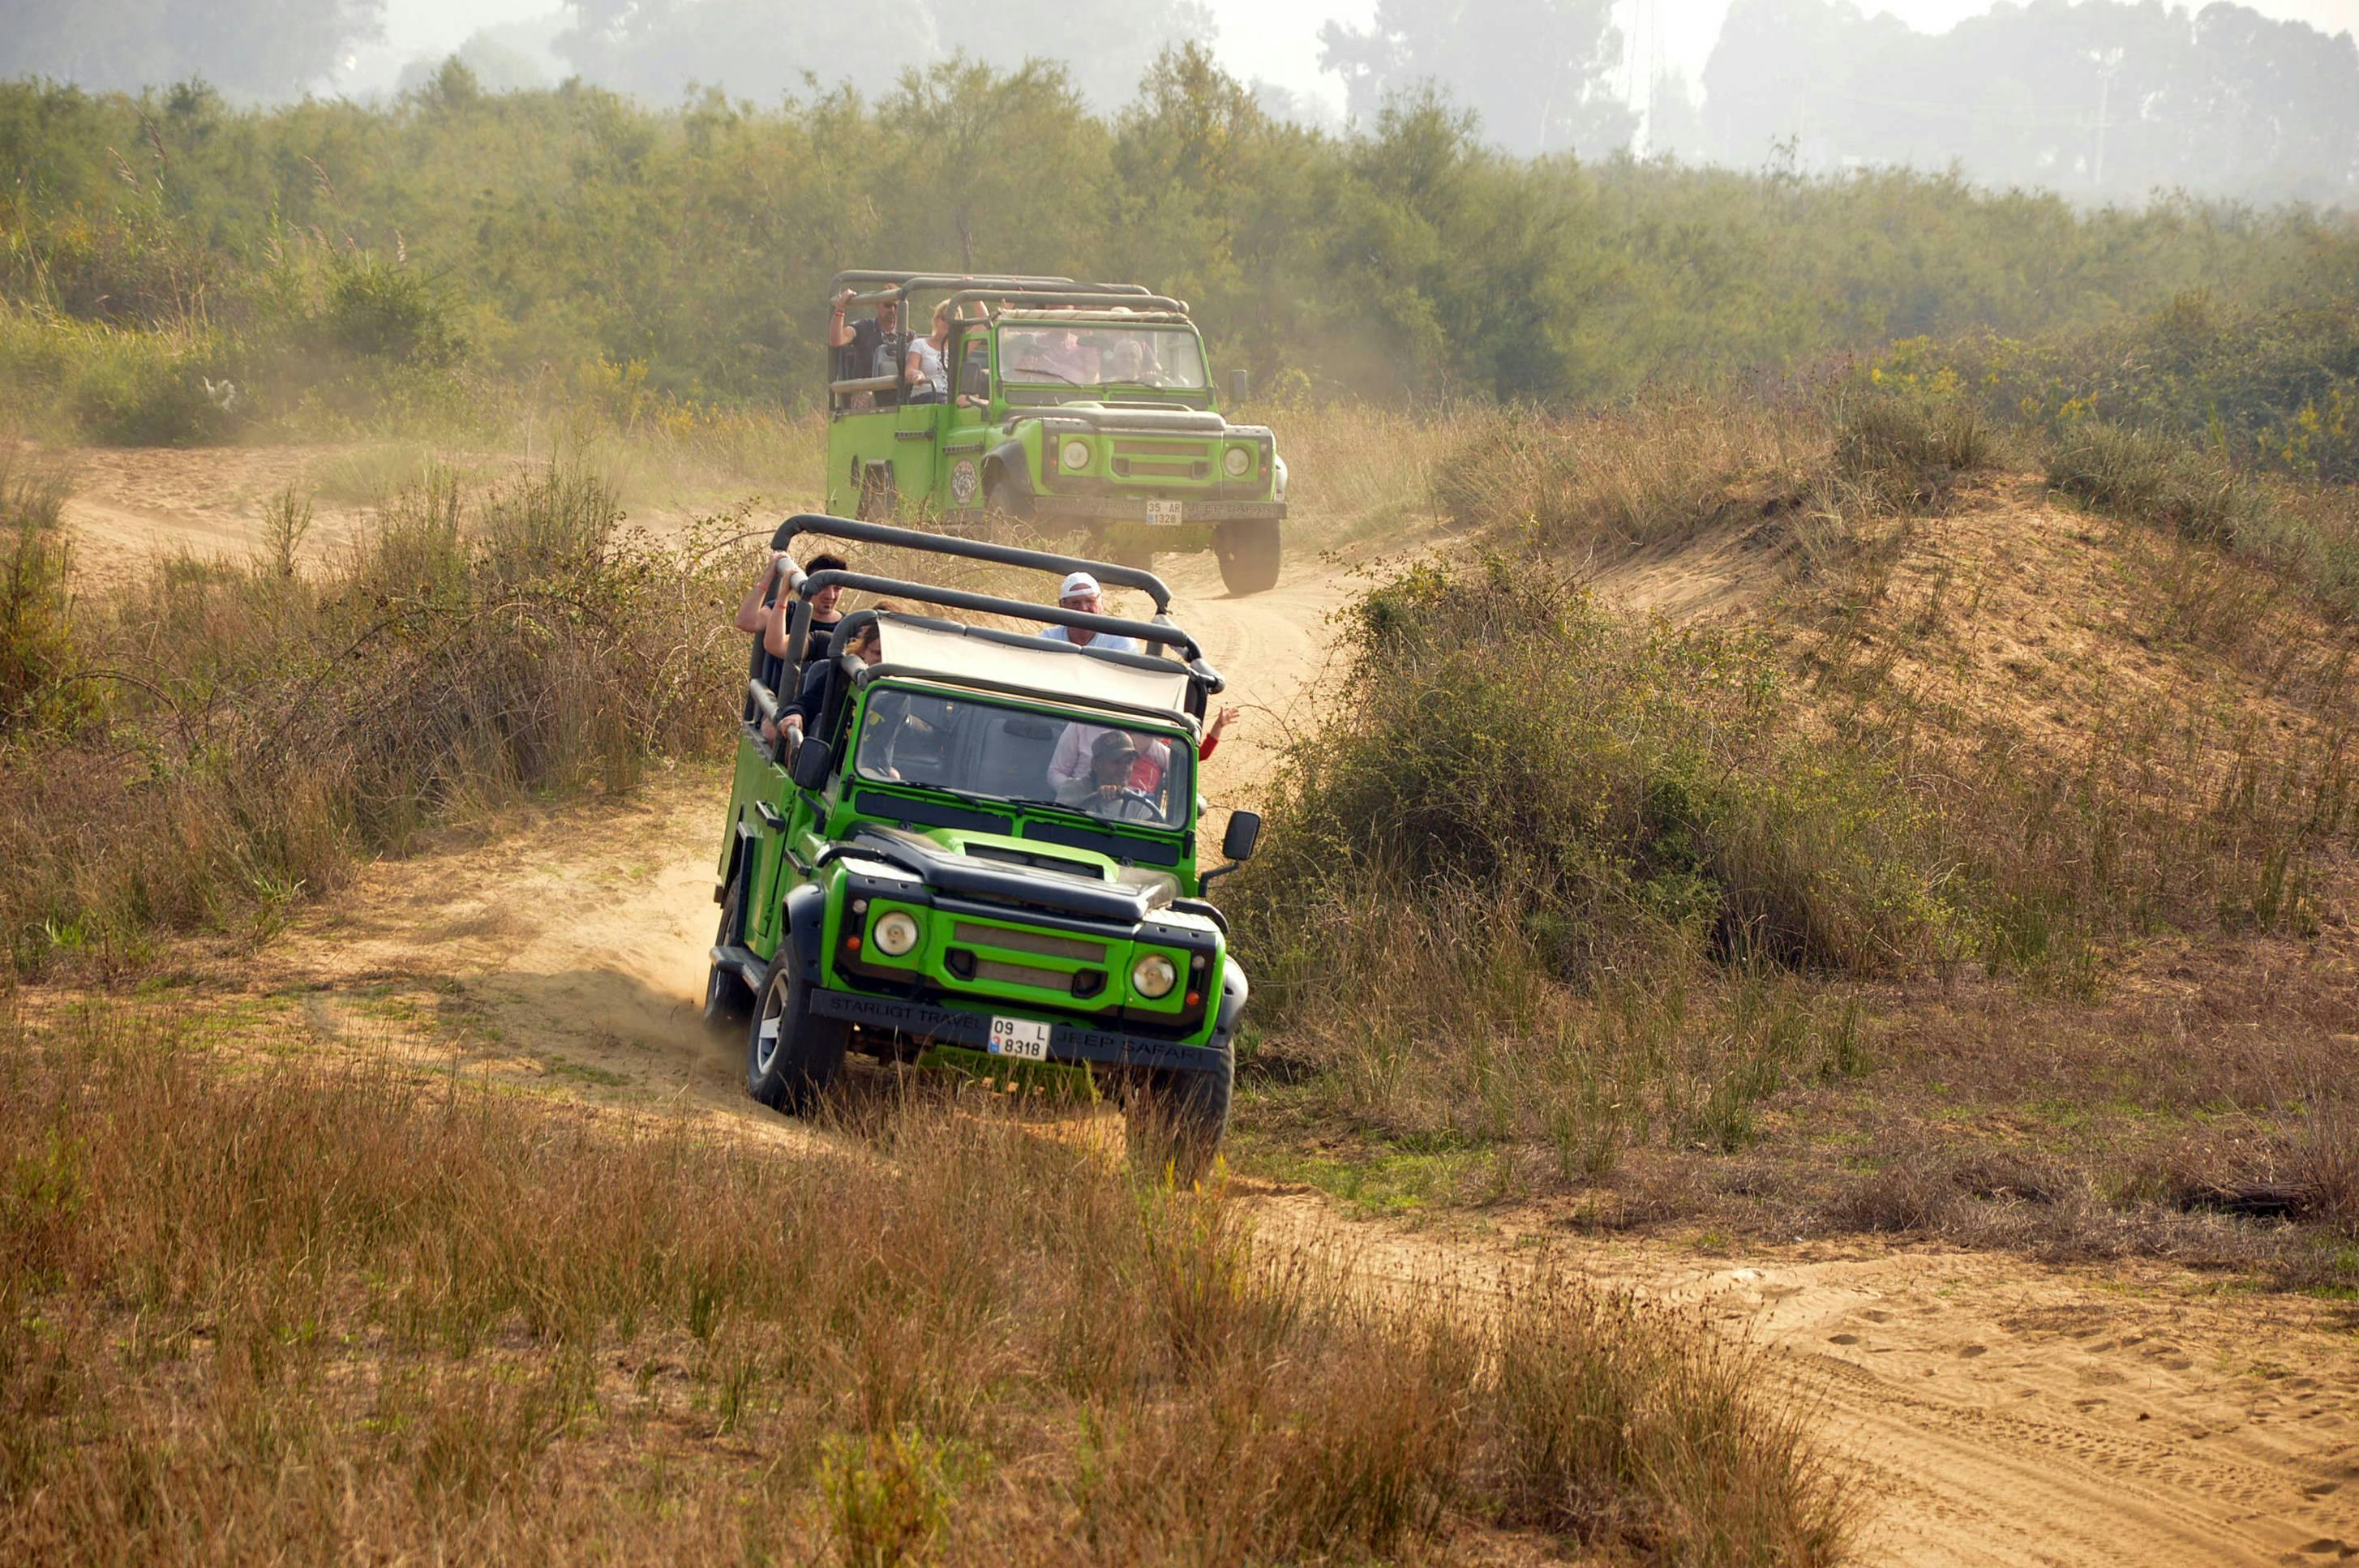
column 1074, row 759
column 1126, row 361
column 1106, row 792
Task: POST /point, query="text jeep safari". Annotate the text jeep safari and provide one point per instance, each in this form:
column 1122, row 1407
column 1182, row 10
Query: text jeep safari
column 1083, row 407
column 928, row 880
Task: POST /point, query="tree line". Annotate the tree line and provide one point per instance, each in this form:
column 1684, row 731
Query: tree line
column 514, row 233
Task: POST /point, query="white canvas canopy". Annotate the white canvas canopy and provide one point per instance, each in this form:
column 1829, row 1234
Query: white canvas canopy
column 1056, row 670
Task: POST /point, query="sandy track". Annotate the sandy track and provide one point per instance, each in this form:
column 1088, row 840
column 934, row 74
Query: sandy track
column 1993, row 1411
column 205, row 501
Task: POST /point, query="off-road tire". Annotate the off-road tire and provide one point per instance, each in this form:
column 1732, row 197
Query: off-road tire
column 1175, row 1120
column 1248, row 553
column 791, row 1056
column 1004, row 498
column 727, row 1003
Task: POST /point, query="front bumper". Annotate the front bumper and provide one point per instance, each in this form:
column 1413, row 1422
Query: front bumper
column 1069, row 1043
column 1133, row 509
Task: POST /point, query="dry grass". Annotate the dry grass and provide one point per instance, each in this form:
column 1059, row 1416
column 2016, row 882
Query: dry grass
column 1361, row 472
column 261, row 729
column 1661, row 469
column 252, row 1310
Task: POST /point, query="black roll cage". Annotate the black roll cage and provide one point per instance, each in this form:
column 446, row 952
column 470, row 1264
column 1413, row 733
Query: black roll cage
column 1203, row 679
column 899, row 286
column 1040, row 291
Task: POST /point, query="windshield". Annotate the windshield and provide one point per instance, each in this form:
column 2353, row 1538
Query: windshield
column 1095, row 354
column 980, row 748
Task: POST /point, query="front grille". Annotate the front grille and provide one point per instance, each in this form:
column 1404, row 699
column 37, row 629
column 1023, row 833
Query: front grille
column 1139, row 468
column 1039, row 942
column 1008, row 974
column 1161, row 460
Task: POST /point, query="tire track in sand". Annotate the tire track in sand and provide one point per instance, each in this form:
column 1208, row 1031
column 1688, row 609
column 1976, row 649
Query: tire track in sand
column 1995, row 1411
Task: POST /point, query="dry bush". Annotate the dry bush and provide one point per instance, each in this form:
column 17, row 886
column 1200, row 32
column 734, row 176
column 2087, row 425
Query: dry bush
column 1359, row 470
column 2158, row 478
column 335, row 1312
column 1663, row 468
column 263, row 728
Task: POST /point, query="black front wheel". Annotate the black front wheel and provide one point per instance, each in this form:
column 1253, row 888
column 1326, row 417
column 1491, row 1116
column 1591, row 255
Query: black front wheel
column 1175, row 1120
column 791, row 1056
column 727, row 1002
column 1248, row 553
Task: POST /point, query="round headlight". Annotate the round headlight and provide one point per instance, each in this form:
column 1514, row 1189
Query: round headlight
column 1237, row 461
column 1154, row 976
column 897, row 934
column 1077, row 454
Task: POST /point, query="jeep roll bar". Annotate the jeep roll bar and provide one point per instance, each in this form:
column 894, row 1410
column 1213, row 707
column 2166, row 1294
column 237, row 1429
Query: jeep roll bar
column 974, row 550
column 1158, row 632
column 987, row 286
column 899, row 278
column 1081, row 296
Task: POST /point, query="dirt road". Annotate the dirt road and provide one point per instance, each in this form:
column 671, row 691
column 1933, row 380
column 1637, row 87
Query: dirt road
column 1995, row 1412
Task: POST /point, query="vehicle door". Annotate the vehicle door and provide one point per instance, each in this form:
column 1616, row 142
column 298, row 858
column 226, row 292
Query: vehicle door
column 917, row 445
column 966, row 436
column 863, row 476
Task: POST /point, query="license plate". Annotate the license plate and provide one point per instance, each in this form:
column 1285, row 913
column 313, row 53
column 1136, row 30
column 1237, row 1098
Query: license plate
column 1165, row 511
column 1020, row 1038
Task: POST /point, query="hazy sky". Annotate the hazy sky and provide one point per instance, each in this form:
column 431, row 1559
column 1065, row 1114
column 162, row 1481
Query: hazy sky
column 1278, row 39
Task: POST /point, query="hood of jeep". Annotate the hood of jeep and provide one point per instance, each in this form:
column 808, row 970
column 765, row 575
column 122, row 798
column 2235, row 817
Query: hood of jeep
column 998, row 868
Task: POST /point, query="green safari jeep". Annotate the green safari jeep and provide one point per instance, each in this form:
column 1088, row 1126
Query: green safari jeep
column 982, row 856
column 1073, row 406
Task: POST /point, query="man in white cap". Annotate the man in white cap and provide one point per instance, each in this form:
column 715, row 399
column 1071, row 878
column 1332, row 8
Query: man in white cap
column 1082, row 592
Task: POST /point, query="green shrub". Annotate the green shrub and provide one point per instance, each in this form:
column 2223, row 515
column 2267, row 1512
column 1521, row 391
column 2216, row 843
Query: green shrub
column 2158, row 478
column 370, row 310
column 120, row 386
column 37, row 640
column 1903, row 442
column 1602, row 786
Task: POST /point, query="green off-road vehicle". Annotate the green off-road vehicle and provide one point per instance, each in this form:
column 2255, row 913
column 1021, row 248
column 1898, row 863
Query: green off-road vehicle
column 924, row 878
column 1072, row 408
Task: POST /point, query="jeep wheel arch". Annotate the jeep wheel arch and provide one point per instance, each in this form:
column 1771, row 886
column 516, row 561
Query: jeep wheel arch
column 1006, row 486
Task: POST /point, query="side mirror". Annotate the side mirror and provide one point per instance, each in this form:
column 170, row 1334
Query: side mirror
column 1244, row 833
column 812, row 763
column 1237, row 383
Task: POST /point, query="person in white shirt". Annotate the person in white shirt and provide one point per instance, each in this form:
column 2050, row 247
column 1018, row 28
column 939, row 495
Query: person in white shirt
column 1082, row 592
column 926, row 374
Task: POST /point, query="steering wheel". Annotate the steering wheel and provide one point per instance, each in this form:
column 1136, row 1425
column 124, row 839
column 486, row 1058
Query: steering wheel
column 1144, row 802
